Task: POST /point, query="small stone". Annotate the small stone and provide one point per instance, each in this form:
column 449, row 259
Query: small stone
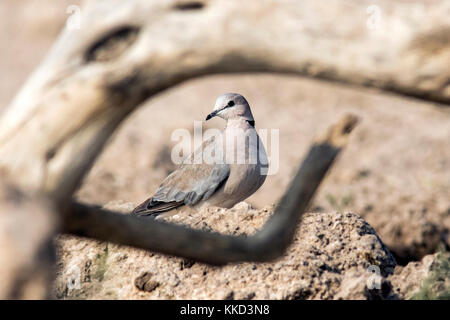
column 145, row 283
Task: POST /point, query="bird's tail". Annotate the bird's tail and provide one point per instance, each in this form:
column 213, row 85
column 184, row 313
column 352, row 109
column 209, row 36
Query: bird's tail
column 153, row 208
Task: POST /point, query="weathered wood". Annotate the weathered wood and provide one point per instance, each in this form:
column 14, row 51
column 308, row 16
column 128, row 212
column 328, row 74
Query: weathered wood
column 267, row 244
column 27, row 256
column 127, row 51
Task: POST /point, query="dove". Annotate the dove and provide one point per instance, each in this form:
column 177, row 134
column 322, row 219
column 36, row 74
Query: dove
column 236, row 169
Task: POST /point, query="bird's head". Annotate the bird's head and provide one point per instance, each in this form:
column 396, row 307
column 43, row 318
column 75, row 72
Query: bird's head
column 231, row 106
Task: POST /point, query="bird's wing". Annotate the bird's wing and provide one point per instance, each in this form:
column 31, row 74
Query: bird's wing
column 188, row 185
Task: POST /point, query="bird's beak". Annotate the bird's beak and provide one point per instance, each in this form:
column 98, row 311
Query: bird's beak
column 211, row 115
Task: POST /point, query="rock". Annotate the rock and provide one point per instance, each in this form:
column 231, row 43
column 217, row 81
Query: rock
column 144, row 282
column 356, row 285
column 426, row 279
column 329, row 259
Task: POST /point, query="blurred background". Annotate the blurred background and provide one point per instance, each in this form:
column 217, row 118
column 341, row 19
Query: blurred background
column 395, row 172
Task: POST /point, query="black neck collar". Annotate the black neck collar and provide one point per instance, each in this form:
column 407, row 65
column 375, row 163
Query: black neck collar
column 252, row 123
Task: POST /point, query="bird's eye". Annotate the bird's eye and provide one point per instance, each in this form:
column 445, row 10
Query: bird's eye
column 231, row 103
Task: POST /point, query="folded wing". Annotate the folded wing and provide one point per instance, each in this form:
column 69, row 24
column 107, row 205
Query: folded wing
column 188, row 185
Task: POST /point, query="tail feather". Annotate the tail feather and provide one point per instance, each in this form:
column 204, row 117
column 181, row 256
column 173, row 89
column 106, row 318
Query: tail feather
column 154, row 208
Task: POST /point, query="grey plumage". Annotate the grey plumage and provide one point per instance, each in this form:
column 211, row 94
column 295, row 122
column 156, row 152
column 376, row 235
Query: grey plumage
column 221, row 183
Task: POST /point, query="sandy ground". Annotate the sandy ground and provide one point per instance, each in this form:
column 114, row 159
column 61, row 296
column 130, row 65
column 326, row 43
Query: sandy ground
column 395, row 172
column 328, row 259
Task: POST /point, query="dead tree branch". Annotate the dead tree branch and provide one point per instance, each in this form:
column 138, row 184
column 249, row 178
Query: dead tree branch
column 27, row 258
column 128, row 51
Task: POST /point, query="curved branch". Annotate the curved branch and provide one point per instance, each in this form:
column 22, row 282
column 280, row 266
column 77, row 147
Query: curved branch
column 128, row 51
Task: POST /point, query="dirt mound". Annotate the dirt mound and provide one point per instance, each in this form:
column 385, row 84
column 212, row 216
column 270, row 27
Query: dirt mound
column 427, row 279
column 329, row 259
